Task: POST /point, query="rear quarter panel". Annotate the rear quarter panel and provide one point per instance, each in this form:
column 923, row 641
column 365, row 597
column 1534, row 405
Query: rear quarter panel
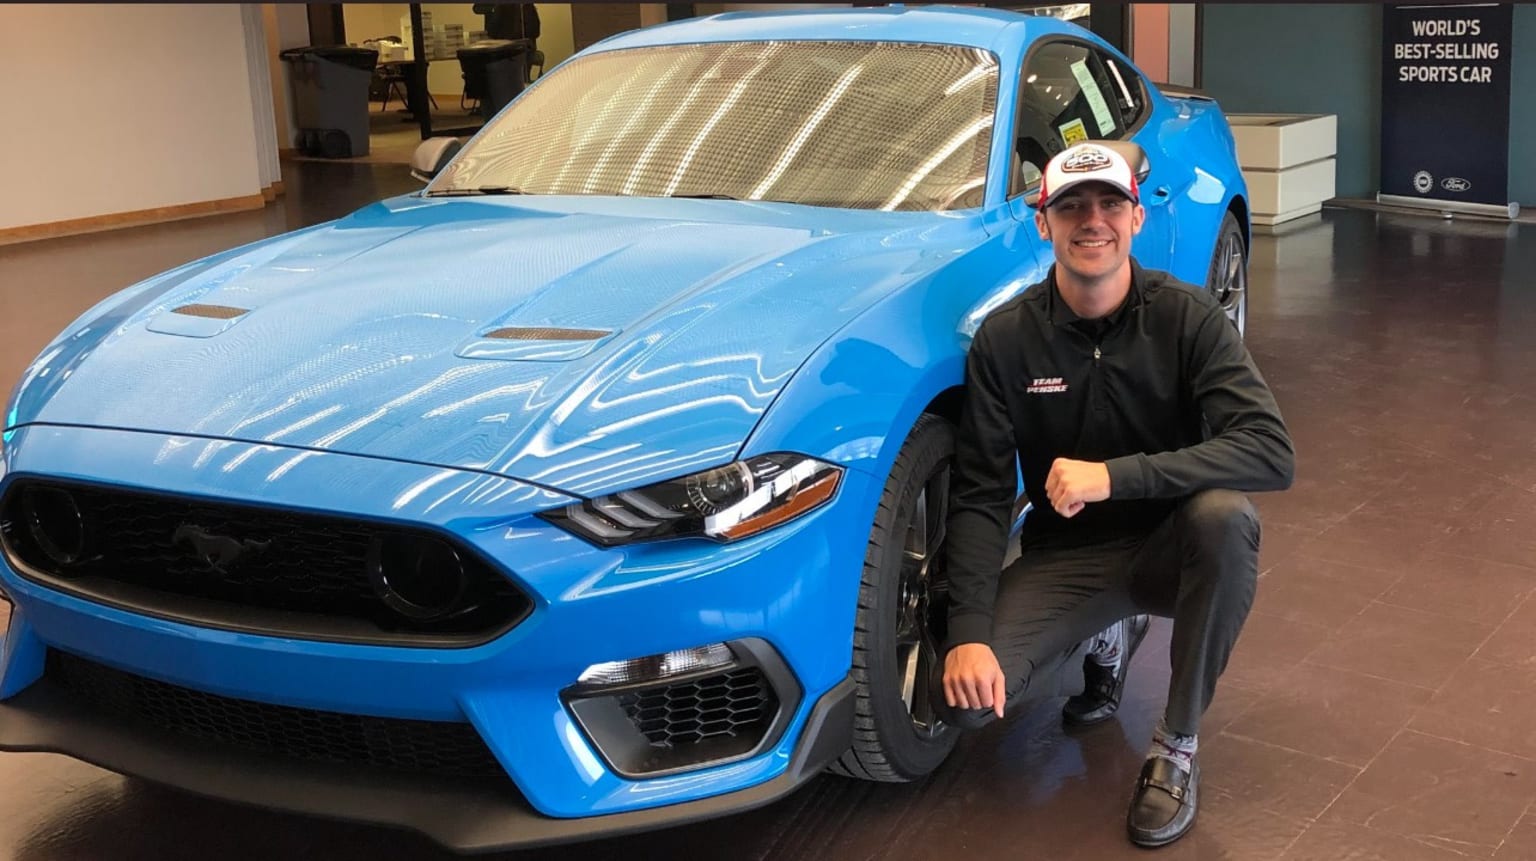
column 1197, row 142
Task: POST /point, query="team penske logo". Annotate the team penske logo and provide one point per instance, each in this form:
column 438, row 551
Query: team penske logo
column 1047, row 385
column 1085, row 160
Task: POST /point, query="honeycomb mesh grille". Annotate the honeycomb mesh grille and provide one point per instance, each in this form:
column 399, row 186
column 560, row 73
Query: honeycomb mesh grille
column 736, row 705
column 312, row 568
column 416, row 746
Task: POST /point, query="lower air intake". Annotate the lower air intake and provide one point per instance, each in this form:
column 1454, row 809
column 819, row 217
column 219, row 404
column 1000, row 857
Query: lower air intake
column 422, row 747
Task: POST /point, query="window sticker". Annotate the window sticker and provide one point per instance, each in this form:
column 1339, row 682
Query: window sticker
column 1101, row 114
column 1073, row 132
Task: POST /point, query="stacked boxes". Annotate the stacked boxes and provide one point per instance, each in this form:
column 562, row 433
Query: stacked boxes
column 440, row 41
column 405, row 28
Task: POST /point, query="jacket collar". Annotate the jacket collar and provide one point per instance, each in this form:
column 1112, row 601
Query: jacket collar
column 1062, row 315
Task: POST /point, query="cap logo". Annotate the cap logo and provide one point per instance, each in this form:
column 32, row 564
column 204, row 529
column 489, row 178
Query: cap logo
column 1086, row 160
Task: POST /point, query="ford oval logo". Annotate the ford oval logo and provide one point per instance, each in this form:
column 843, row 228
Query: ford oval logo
column 1455, row 183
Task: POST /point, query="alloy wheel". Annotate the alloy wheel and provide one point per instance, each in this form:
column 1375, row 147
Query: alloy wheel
column 923, row 601
column 1232, row 280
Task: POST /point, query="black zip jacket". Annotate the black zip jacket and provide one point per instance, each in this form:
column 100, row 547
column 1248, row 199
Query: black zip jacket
column 1163, row 391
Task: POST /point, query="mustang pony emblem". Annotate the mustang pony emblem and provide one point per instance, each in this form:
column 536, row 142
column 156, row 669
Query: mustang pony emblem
column 218, row 551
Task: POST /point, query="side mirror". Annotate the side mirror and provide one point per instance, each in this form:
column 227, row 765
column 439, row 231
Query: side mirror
column 432, row 155
column 1130, row 150
column 1134, row 154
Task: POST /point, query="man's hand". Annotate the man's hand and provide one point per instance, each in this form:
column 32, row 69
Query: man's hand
column 972, row 678
column 1073, row 484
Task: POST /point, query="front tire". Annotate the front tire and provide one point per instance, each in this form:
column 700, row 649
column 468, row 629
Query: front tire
column 901, row 617
column 1228, row 276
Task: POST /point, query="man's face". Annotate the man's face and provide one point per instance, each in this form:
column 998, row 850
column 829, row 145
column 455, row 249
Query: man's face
column 1090, row 227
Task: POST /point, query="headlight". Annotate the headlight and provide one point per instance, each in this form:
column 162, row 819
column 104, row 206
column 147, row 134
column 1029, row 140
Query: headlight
column 726, row 503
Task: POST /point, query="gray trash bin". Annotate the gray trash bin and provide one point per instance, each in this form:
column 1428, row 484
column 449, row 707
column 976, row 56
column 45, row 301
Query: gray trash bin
column 494, row 72
column 329, row 87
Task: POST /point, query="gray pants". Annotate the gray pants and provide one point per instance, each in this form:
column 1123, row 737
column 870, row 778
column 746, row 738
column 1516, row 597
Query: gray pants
column 1200, row 567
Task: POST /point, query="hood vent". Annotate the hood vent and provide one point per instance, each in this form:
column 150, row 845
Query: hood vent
column 543, row 333
column 216, row 312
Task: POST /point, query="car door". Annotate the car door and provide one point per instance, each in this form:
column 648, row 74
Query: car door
column 1072, row 91
column 1166, row 188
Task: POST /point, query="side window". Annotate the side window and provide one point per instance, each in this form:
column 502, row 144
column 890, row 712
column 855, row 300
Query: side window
column 1068, row 95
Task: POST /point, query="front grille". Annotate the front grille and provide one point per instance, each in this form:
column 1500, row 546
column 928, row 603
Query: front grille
column 651, row 727
column 415, row 746
column 735, row 705
column 244, row 567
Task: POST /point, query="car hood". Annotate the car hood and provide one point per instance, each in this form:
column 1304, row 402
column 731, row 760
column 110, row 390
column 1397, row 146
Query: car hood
column 581, row 344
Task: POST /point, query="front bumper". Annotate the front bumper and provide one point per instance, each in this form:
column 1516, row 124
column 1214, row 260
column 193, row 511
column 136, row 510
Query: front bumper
column 590, row 606
column 468, row 820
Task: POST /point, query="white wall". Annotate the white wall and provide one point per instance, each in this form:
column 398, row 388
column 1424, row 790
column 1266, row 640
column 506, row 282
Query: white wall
column 146, row 106
column 372, row 20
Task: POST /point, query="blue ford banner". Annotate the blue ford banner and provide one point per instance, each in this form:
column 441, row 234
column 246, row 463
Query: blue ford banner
column 1445, row 103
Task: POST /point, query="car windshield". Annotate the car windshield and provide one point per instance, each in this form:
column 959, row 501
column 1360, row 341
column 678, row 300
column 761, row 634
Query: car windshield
column 864, row 125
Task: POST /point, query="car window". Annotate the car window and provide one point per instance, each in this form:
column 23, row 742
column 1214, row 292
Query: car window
column 1067, row 95
column 867, row 125
column 1128, row 89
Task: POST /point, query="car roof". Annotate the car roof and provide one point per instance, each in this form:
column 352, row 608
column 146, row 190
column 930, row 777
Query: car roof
column 951, row 25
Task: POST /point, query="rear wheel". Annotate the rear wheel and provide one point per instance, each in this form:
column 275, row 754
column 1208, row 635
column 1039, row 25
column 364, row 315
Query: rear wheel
column 903, row 605
column 1228, row 276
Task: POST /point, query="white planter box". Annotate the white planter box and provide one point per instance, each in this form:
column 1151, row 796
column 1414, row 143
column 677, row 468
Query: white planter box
column 1288, row 162
column 1280, row 141
column 1280, row 195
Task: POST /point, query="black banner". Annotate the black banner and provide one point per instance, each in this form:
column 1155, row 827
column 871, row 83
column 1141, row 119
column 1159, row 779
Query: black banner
column 1445, row 102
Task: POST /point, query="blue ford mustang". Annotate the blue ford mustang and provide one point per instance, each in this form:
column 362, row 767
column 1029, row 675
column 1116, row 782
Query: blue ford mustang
column 599, row 486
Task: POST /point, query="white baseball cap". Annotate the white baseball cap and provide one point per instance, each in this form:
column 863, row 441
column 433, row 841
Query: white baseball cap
column 1087, row 162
